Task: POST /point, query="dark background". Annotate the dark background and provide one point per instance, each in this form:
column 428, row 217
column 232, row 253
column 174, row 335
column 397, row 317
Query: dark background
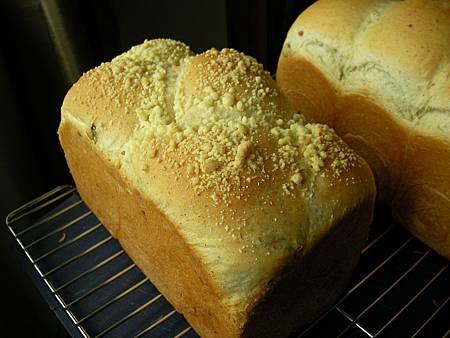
column 45, row 47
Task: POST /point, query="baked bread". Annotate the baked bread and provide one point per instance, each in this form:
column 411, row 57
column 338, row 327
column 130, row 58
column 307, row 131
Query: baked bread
column 379, row 73
column 248, row 220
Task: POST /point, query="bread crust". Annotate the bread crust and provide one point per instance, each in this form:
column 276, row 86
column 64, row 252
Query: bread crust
column 147, row 236
column 218, row 195
column 410, row 161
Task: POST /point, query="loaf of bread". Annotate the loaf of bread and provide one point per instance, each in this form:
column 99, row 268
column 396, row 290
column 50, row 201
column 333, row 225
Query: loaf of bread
column 248, row 220
column 379, row 73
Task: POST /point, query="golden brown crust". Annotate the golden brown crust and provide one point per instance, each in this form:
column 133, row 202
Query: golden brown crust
column 146, row 234
column 302, row 83
column 409, row 158
column 422, row 199
column 313, row 286
column 245, row 190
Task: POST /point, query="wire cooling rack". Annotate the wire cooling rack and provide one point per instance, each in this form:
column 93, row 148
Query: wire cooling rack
column 400, row 287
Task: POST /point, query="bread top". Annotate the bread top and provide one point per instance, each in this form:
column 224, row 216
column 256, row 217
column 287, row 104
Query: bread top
column 395, row 52
column 213, row 143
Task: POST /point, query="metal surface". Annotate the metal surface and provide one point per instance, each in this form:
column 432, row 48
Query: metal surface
column 400, row 287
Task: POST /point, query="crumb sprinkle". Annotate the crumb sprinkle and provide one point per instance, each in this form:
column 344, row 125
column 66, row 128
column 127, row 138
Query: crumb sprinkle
column 219, row 119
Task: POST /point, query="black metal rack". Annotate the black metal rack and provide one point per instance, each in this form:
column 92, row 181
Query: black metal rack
column 399, row 288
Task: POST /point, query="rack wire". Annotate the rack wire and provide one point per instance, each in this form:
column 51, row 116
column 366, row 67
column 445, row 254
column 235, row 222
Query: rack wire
column 399, row 288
